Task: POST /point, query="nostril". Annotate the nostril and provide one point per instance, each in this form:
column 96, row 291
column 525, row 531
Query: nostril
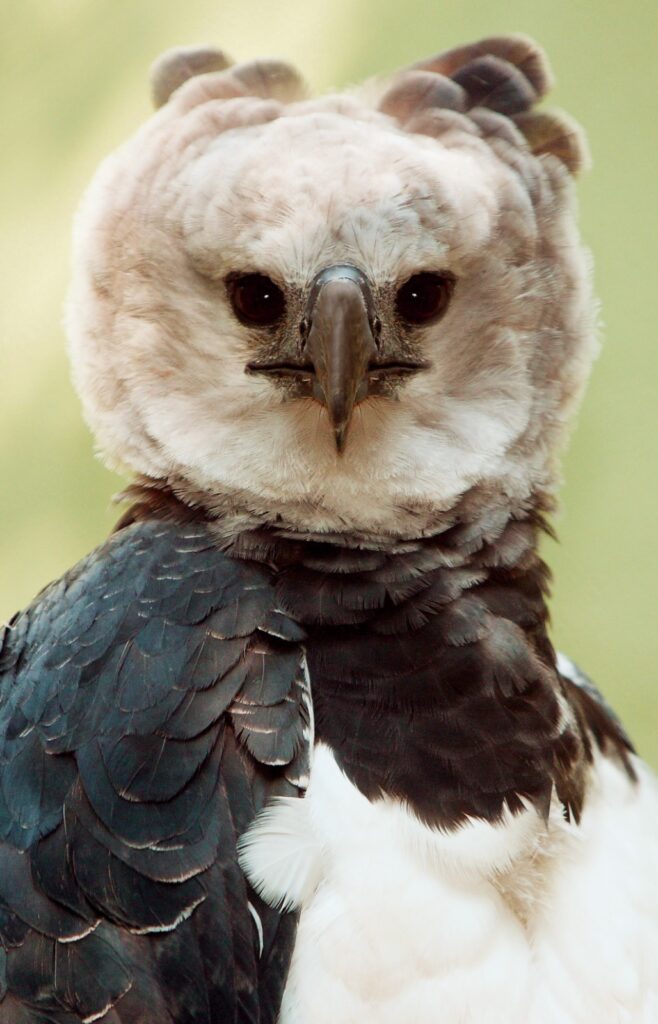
column 304, row 328
column 376, row 329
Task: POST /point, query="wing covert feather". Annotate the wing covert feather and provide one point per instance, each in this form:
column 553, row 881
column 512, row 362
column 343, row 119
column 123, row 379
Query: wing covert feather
column 150, row 701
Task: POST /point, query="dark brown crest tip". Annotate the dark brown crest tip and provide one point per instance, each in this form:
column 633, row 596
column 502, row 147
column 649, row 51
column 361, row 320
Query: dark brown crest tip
column 518, row 50
column 174, row 67
column 556, row 134
column 492, row 82
column 270, row 79
column 415, row 91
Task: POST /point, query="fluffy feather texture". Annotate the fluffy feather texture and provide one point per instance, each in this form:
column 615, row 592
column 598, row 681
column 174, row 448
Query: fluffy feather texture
column 521, row 921
column 430, row 170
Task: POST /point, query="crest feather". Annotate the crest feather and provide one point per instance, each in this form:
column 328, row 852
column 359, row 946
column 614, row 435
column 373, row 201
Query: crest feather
column 415, row 91
column 492, row 84
column 176, row 66
column 517, row 50
column 217, row 77
column 556, row 133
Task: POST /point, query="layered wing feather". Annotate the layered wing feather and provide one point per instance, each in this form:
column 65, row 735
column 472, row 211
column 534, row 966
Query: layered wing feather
column 150, row 702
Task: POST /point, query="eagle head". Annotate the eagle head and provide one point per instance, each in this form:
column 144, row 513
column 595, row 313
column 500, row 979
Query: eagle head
column 339, row 313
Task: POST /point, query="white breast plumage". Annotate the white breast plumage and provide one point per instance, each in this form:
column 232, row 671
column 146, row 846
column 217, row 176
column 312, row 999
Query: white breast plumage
column 517, row 923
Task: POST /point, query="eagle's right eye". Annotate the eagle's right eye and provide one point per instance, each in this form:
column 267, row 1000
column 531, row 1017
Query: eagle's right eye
column 257, row 301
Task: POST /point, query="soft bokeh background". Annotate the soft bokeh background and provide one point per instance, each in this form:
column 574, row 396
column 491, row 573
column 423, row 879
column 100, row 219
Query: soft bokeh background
column 73, row 84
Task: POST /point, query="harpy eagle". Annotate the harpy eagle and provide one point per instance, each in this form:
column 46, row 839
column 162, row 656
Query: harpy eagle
column 337, row 341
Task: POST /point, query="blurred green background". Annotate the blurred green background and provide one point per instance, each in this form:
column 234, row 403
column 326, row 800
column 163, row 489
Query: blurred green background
column 73, row 83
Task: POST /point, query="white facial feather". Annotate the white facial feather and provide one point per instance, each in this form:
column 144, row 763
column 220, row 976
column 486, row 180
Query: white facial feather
column 213, row 186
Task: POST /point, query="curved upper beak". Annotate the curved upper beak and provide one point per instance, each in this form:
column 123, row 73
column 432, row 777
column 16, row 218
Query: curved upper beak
column 339, row 361
column 340, row 342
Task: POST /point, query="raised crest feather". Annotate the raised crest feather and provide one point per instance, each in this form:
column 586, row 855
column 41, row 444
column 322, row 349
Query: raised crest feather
column 174, row 67
column 220, row 78
column 501, row 77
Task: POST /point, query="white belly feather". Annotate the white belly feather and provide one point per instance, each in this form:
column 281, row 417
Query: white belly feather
column 517, row 923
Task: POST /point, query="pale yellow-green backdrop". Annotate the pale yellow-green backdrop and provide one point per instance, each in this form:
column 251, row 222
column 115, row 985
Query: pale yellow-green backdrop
column 73, row 83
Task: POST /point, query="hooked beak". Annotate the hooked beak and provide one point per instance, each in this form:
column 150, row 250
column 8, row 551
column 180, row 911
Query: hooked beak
column 340, row 362
column 340, row 342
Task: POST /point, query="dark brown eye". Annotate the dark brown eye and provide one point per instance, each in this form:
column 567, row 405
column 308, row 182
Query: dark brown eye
column 256, row 299
column 424, row 297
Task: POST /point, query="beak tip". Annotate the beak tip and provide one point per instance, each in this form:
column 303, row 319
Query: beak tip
column 340, row 437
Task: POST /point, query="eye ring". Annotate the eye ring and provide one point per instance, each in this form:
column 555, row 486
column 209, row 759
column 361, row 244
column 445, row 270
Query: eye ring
column 424, row 297
column 256, row 300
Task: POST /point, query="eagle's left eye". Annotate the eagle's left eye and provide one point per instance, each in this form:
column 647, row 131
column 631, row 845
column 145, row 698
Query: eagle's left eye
column 256, row 300
column 424, row 297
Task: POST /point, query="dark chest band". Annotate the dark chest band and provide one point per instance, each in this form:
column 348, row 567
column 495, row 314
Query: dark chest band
column 432, row 676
